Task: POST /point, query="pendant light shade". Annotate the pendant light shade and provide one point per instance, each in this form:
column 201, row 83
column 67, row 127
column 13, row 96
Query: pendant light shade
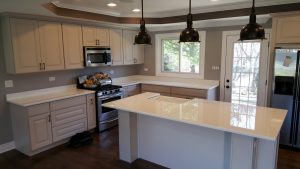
column 252, row 31
column 189, row 34
column 142, row 38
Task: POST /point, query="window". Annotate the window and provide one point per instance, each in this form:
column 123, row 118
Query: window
column 179, row 59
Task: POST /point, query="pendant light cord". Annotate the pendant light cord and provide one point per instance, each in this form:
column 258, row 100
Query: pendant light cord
column 142, row 10
column 190, row 10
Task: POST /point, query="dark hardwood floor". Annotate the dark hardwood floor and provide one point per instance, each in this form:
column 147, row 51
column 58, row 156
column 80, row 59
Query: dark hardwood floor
column 102, row 154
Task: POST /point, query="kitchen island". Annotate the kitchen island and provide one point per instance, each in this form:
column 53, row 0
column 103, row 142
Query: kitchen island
column 180, row 133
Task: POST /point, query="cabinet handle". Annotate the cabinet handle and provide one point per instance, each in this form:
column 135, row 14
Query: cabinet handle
column 41, row 66
column 134, row 60
column 44, row 66
column 49, row 118
column 92, row 101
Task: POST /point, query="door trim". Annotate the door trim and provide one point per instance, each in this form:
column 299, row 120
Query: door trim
column 223, row 60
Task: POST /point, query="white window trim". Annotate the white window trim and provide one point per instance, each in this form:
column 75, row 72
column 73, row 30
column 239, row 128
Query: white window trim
column 158, row 57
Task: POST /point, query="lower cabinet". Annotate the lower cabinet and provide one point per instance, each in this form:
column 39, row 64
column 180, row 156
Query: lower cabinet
column 40, row 131
column 42, row 126
column 132, row 90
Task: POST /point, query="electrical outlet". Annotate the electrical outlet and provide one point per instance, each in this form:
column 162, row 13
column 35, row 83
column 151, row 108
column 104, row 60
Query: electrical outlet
column 111, row 72
column 215, row 67
column 51, row 79
column 146, row 69
column 8, row 83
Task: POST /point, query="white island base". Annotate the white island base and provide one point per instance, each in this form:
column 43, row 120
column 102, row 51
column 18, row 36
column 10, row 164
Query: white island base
column 183, row 146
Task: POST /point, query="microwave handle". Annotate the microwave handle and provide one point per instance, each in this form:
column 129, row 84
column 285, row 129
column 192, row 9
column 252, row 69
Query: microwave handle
column 105, row 57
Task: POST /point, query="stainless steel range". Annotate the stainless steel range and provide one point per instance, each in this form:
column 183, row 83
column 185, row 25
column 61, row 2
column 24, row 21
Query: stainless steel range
column 105, row 92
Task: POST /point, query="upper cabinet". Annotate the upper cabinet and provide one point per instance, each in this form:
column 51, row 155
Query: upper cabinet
column 51, row 45
column 73, row 48
column 23, row 54
column 133, row 54
column 35, row 45
column 286, row 28
column 116, row 46
column 93, row 36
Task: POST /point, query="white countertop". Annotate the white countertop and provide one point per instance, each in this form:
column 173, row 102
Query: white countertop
column 34, row 97
column 254, row 121
column 166, row 81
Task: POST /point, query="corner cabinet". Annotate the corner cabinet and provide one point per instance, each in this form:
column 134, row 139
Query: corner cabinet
column 35, row 45
column 40, row 127
column 287, row 28
column 133, row 54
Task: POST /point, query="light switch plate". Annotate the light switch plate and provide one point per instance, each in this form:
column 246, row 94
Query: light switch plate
column 111, row 72
column 8, row 83
column 51, row 79
column 146, row 69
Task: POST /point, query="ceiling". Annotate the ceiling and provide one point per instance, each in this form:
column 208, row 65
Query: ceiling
column 153, row 8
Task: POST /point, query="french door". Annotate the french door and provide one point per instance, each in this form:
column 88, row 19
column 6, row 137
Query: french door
column 244, row 70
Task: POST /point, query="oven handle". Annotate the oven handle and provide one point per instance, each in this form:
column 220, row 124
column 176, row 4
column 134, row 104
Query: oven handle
column 110, row 96
column 108, row 121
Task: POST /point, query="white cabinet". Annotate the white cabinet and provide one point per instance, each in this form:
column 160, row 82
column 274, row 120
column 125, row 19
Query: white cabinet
column 93, row 36
column 40, row 131
column 51, row 45
column 73, row 47
column 138, row 54
column 35, row 45
column 23, row 54
column 42, row 126
column 116, row 46
column 91, row 111
column 287, row 28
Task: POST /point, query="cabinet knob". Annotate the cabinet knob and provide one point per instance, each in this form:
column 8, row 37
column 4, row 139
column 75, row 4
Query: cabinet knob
column 92, row 101
column 134, row 60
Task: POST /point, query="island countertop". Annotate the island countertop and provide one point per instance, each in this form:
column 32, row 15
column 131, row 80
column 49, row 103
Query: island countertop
column 253, row 121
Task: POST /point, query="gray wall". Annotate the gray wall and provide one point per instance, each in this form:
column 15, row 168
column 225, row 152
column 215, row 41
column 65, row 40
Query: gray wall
column 213, row 51
column 32, row 81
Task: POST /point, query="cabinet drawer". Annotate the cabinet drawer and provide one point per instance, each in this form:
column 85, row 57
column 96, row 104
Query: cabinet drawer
column 38, row 109
column 155, row 88
column 182, row 96
column 198, row 93
column 61, row 104
column 133, row 90
column 69, row 129
column 67, row 115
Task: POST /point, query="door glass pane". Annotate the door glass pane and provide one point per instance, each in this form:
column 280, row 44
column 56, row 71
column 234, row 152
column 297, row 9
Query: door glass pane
column 245, row 73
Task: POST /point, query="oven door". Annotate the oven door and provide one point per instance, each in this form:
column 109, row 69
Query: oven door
column 97, row 57
column 107, row 117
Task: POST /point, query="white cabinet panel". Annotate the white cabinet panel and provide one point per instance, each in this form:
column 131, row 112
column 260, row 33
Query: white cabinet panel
column 103, row 36
column 116, row 46
column 128, row 39
column 40, row 131
column 91, row 111
column 26, row 46
column 73, row 47
column 69, row 129
column 288, row 29
column 89, row 35
column 67, row 115
column 51, row 45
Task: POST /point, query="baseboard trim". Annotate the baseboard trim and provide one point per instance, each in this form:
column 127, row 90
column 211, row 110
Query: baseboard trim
column 7, row 147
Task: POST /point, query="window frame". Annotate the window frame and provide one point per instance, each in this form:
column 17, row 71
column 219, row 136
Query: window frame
column 158, row 57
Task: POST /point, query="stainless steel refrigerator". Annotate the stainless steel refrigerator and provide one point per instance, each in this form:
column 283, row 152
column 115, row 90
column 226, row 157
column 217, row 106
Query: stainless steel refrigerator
column 286, row 93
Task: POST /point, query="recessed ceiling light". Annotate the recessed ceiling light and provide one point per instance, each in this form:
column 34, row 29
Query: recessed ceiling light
column 214, row 0
column 112, row 4
column 136, row 10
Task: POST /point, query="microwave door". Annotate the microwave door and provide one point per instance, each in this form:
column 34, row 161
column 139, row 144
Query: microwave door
column 105, row 57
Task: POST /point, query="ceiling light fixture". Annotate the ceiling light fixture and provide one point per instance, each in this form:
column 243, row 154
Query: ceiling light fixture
column 111, row 4
column 252, row 31
column 189, row 34
column 142, row 38
column 136, row 10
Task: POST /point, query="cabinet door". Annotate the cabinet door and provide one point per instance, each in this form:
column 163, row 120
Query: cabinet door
column 103, row 37
column 116, row 46
column 89, row 35
column 40, row 131
column 51, row 45
column 91, row 111
column 26, row 45
column 73, row 48
column 128, row 39
column 138, row 54
column 288, row 29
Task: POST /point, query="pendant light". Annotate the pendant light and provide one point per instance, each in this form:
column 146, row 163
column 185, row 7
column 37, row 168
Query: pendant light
column 189, row 34
column 142, row 37
column 252, row 31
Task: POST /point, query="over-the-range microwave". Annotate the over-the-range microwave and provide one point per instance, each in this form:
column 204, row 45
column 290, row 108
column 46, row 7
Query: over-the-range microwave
column 97, row 56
